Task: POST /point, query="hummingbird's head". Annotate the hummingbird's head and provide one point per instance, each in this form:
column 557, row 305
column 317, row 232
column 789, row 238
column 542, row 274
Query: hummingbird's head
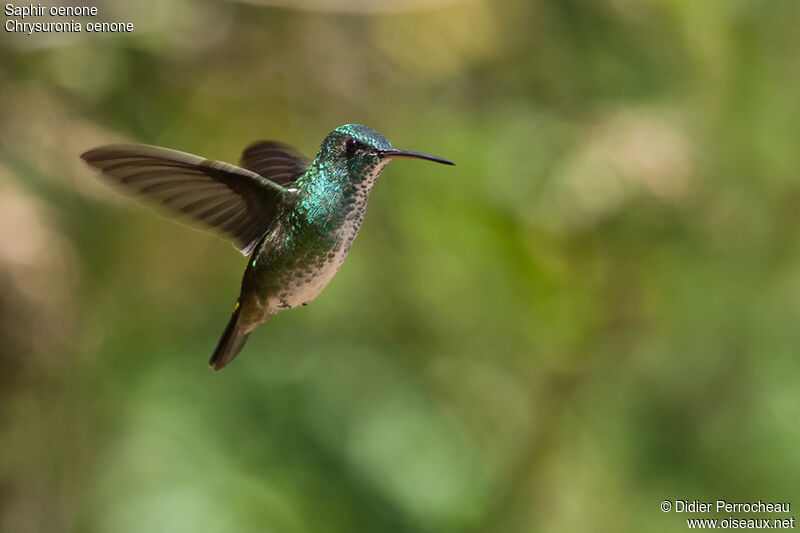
column 358, row 153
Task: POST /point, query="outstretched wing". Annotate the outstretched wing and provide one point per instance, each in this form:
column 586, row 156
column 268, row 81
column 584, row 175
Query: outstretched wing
column 275, row 161
column 237, row 203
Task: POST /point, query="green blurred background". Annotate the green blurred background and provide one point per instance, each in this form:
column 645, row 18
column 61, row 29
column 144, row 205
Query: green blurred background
column 596, row 310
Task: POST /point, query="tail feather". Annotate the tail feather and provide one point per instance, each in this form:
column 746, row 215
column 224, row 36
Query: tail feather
column 231, row 343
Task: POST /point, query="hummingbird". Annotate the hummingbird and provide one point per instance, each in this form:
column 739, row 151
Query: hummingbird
column 295, row 220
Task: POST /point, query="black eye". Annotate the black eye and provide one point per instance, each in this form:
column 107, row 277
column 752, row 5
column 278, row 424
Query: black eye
column 351, row 146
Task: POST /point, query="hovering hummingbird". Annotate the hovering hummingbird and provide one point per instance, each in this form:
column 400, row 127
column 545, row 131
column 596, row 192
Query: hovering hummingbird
column 296, row 220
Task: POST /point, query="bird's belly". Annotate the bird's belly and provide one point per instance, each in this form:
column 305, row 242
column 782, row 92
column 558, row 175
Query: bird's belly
column 298, row 261
column 297, row 276
column 307, row 284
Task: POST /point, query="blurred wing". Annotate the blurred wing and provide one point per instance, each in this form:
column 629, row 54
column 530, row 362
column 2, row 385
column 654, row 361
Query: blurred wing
column 275, row 161
column 235, row 202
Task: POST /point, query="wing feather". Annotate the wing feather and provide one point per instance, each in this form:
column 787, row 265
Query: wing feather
column 238, row 203
column 275, row 161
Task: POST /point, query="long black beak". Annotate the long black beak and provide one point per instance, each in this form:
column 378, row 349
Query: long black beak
column 394, row 152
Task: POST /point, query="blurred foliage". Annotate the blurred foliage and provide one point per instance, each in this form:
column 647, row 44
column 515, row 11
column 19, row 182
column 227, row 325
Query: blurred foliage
column 595, row 310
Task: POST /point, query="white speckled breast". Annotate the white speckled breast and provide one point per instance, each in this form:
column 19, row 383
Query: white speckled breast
column 304, row 256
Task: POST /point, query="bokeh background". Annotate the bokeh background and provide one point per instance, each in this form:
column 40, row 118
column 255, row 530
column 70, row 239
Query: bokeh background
column 595, row 310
